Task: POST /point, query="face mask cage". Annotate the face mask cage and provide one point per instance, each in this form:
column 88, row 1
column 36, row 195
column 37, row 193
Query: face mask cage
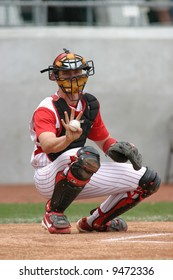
column 88, row 68
column 73, row 87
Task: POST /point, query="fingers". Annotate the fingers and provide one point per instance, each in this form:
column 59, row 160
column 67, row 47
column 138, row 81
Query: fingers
column 64, row 124
column 79, row 116
column 67, row 117
column 72, row 116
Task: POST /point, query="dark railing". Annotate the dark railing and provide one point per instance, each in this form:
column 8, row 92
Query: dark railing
column 40, row 12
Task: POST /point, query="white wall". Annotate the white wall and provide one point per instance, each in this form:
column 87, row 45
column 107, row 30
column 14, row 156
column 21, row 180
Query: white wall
column 133, row 81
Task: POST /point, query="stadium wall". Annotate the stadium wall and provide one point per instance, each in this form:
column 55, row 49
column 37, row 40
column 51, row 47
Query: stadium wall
column 133, row 82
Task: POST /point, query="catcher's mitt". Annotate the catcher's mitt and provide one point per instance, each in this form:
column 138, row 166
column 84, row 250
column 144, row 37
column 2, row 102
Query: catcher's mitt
column 124, row 151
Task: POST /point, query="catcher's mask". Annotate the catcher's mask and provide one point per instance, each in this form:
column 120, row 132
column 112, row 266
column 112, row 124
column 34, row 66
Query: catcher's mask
column 72, row 86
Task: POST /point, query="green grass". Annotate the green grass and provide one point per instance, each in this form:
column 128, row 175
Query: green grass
column 33, row 212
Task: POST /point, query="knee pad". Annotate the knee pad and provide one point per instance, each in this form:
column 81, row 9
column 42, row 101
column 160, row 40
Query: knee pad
column 86, row 164
column 149, row 182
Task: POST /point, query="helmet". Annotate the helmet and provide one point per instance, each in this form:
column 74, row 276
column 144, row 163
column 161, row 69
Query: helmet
column 70, row 61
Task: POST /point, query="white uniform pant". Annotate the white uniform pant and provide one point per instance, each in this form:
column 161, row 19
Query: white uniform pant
column 112, row 179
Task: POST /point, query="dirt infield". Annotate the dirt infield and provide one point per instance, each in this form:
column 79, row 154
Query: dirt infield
column 151, row 240
column 141, row 241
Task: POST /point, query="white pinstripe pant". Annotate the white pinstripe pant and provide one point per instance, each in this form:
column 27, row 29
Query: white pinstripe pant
column 112, row 179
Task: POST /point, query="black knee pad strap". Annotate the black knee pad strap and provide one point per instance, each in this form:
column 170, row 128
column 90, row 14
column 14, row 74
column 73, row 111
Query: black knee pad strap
column 149, row 182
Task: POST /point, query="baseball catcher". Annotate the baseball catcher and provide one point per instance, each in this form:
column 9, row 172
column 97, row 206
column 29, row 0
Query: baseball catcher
column 66, row 169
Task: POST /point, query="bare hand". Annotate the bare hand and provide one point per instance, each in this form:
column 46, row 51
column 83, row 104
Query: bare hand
column 71, row 135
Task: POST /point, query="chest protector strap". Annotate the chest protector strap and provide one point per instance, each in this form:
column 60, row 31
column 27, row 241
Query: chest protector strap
column 88, row 117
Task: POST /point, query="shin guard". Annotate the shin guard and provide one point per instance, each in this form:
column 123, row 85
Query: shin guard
column 64, row 193
column 122, row 206
column 148, row 184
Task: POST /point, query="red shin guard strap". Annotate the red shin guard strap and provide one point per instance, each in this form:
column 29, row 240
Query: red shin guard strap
column 76, row 182
column 71, row 179
column 59, row 176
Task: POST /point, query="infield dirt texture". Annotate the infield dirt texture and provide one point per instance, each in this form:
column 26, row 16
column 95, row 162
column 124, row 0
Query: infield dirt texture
column 143, row 240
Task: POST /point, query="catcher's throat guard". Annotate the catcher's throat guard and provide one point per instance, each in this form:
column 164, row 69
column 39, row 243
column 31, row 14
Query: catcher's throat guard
column 69, row 61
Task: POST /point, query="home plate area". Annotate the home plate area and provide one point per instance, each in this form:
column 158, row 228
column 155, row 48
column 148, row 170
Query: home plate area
column 141, row 238
column 142, row 241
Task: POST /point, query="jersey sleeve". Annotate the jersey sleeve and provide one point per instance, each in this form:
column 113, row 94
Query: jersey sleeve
column 98, row 131
column 44, row 121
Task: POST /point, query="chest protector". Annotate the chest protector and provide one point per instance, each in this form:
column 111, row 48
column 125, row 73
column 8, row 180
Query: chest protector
column 88, row 117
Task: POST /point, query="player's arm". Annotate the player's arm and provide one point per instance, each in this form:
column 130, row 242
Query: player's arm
column 46, row 132
column 52, row 144
column 106, row 143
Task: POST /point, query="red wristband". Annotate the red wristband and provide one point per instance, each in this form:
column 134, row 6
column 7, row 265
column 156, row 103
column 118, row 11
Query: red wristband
column 108, row 143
